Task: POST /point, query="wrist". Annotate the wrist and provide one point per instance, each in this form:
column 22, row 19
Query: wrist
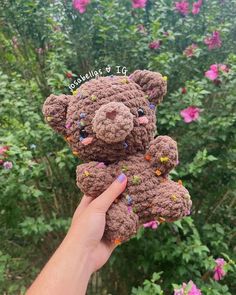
column 75, row 243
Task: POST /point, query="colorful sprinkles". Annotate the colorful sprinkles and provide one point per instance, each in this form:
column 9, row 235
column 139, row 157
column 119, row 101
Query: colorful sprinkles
column 136, row 179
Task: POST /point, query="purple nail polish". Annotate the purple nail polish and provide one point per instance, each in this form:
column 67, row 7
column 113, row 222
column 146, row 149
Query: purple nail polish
column 121, row 177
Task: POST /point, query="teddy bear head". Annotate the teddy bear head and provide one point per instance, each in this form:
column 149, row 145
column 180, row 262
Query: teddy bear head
column 110, row 117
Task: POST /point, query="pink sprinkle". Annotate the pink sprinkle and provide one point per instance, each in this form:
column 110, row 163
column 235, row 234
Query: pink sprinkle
column 129, row 209
column 101, row 165
column 68, row 125
column 87, row 140
column 143, row 120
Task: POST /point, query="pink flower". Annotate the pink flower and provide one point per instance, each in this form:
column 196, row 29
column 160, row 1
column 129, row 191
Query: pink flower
column 196, row 7
column 213, row 41
column 224, row 68
column 3, row 149
column 213, row 73
column 191, row 287
column 139, row 3
column 182, row 7
column 7, row 165
column 152, row 224
column 80, row 5
column 190, row 50
column 190, row 114
column 141, row 29
column 219, row 272
column 194, row 290
column 155, row 44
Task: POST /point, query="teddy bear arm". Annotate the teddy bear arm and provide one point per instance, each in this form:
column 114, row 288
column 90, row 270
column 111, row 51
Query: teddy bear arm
column 93, row 178
column 163, row 154
column 171, row 202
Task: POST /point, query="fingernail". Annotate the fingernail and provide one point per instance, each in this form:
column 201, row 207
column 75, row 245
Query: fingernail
column 121, row 177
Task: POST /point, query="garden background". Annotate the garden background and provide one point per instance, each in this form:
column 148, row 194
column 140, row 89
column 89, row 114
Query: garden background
column 44, row 46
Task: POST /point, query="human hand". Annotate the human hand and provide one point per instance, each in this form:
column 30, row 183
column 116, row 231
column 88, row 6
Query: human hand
column 82, row 251
column 88, row 224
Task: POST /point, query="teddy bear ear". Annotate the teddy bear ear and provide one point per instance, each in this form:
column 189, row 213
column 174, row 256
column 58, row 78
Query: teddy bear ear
column 152, row 83
column 54, row 111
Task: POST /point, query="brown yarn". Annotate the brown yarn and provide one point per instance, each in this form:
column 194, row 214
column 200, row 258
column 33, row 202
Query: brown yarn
column 110, row 125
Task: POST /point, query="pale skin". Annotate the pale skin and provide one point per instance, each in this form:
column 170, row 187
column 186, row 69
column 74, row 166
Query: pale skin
column 82, row 251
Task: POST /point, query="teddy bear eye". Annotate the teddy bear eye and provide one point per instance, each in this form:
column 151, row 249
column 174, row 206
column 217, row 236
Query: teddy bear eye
column 83, row 133
column 141, row 112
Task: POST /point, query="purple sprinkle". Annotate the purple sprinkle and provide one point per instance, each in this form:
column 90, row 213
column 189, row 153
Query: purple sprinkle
column 111, row 76
column 152, row 106
column 82, row 115
column 125, row 144
column 81, row 138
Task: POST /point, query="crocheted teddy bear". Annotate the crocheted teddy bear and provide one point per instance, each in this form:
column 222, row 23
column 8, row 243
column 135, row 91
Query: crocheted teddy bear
column 110, row 124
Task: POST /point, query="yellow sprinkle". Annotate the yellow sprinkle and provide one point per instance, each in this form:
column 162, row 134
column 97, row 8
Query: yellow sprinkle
column 75, row 92
column 136, row 179
column 164, row 159
column 86, row 173
column 93, row 97
column 124, row 81
column 124, row 168
column 173, row 198
column 164, row 78
column 75, row 153
column 49, row 119
column 158, row 172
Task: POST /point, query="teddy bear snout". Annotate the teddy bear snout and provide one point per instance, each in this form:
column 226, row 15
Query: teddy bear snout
column 112, row 122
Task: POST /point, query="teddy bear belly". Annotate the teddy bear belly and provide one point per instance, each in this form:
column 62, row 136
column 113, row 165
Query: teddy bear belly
column 151, row 196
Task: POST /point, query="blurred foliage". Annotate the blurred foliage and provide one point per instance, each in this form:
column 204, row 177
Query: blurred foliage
column 40, row 43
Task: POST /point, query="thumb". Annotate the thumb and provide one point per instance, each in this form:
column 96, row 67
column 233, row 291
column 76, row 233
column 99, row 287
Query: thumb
column 104, row 201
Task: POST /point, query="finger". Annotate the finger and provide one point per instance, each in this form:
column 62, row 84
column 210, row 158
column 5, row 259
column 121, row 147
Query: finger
column 85, row 201
column 104, row 201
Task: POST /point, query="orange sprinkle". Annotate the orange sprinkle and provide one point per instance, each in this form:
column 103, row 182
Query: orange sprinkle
column 161, row 219
column 69, row 138
column 117, row 241
column 75, row 153
column 147, row 157
column 180, row 182
column 158, row 172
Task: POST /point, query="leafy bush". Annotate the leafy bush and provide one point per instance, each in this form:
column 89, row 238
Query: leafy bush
column 44, row 46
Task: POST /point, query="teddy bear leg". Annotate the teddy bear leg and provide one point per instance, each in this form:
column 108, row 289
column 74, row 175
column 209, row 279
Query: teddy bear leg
column 171, row 201
column 121, row 223
column 162, row 154
column 93, row 178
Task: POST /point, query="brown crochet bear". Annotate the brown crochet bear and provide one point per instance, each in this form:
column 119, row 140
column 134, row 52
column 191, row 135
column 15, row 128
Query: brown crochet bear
column 110, row 124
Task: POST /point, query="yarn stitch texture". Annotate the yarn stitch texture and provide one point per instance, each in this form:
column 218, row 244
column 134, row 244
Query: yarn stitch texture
column 110, row 124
